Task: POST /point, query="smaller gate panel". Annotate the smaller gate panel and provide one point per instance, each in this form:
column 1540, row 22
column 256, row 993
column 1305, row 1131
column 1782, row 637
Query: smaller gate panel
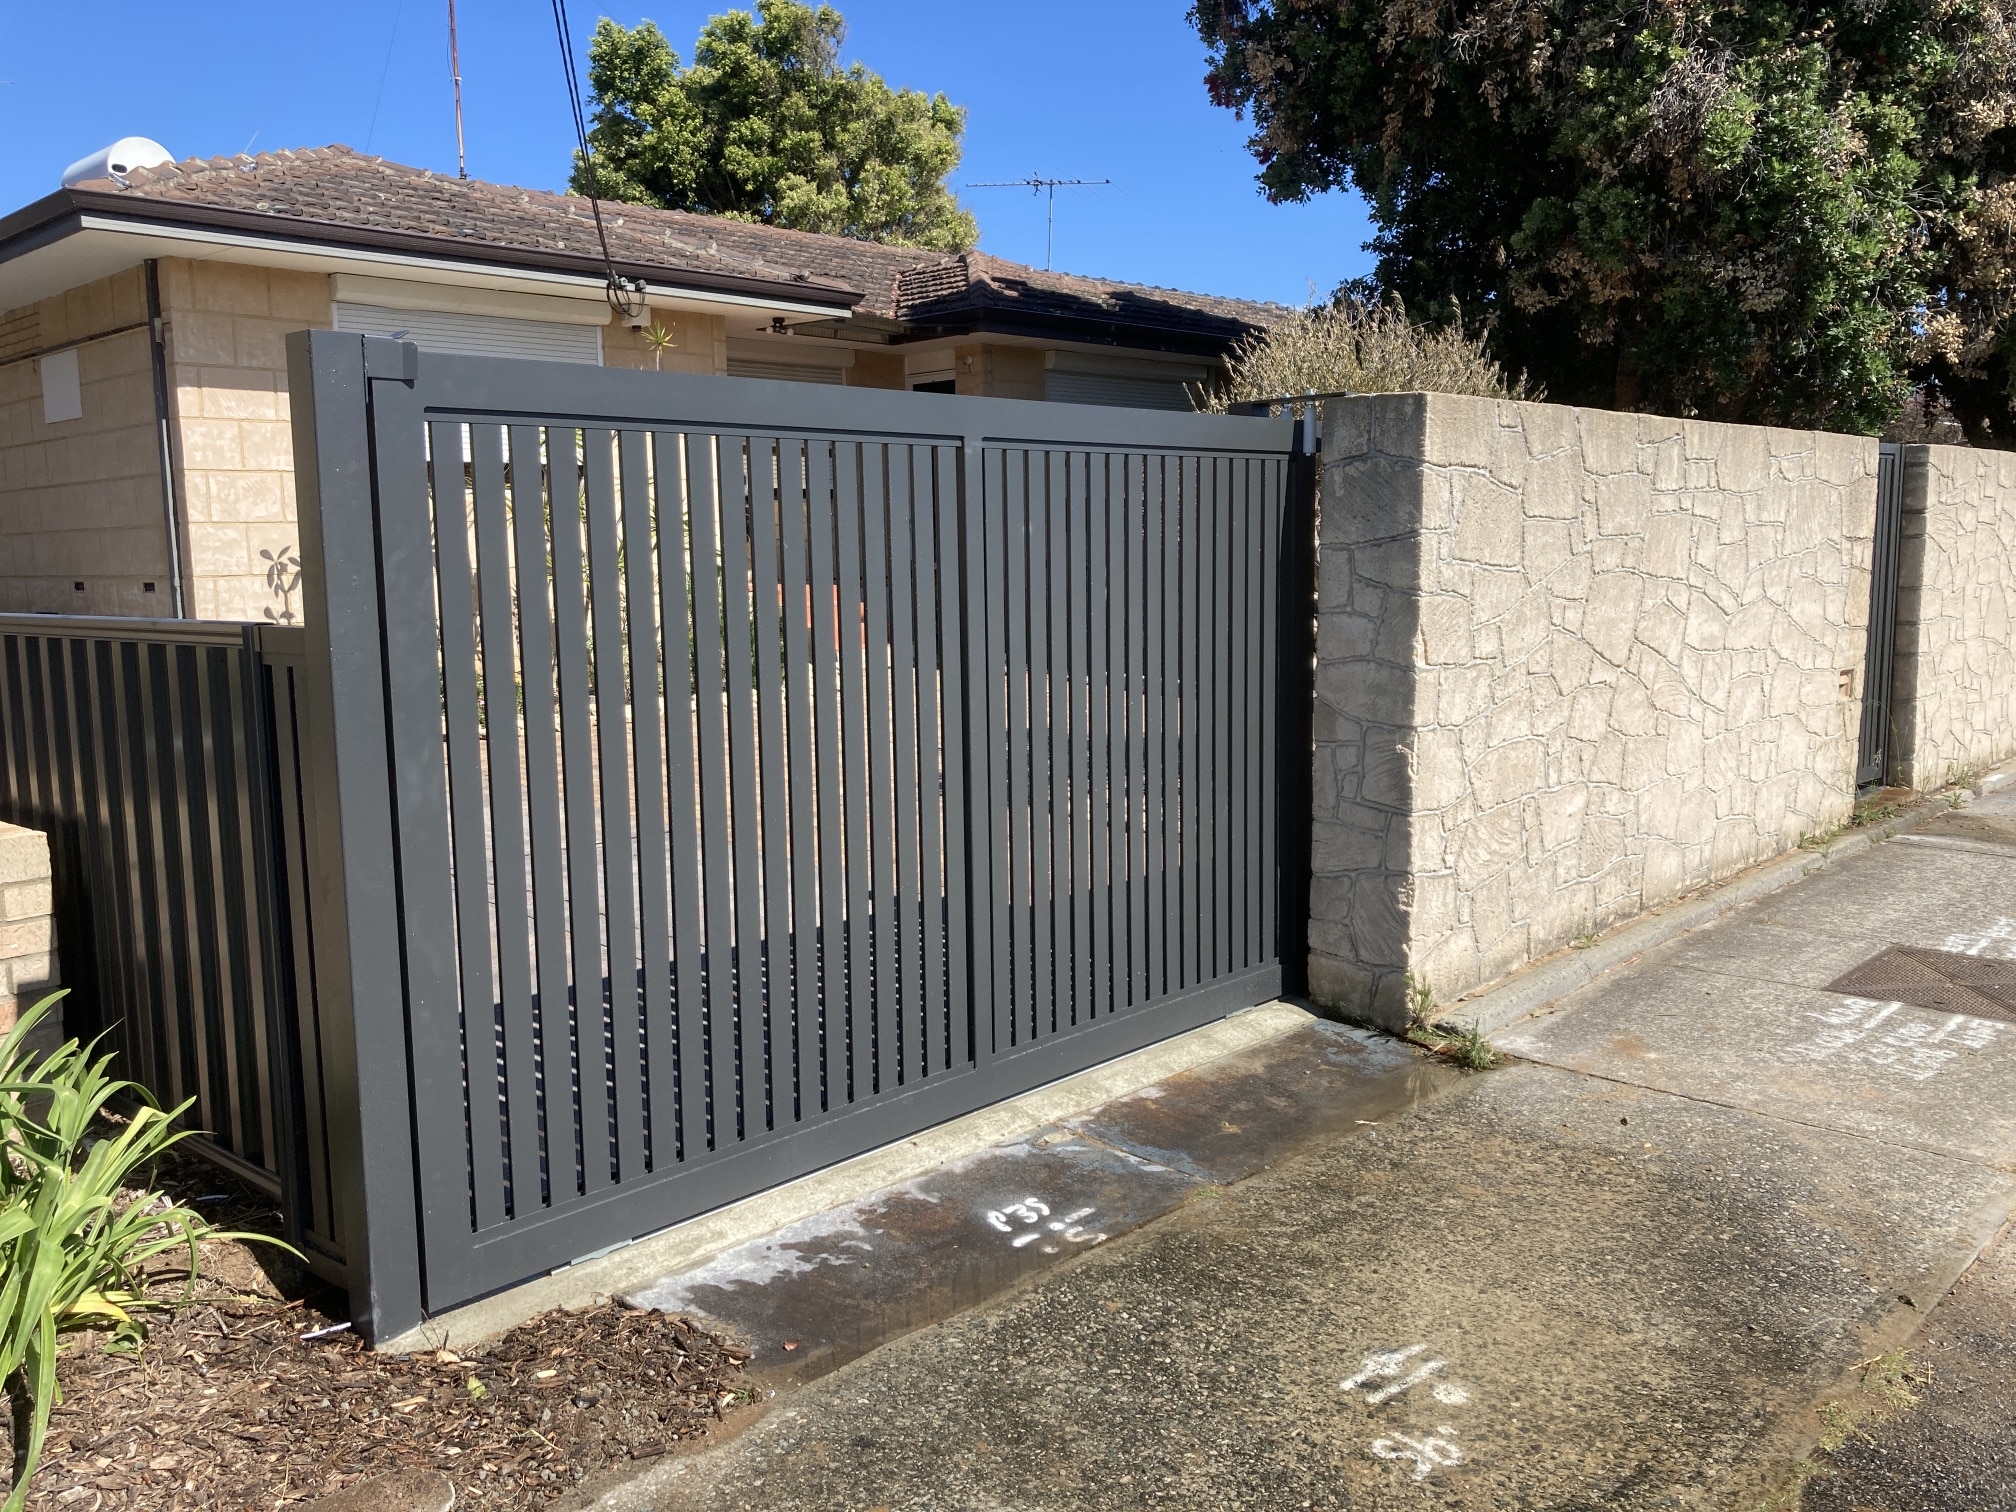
column 689, row 760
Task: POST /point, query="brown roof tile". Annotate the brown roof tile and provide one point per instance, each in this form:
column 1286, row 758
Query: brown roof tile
column 337, row 187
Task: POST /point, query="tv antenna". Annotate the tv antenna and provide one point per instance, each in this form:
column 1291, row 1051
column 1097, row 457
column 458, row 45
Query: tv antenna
column 1036, row 183
column 455, row 71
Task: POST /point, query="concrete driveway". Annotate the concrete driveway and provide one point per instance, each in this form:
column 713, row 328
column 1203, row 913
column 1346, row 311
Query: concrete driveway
column 1624, row 1271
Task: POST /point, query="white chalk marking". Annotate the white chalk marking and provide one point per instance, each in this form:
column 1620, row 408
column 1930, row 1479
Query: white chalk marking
column 1397, row 1368
column 1997, row 942
column 1449, row 1394
column 1434, row 1451
column 1031, row 1213
column 1917, row 1048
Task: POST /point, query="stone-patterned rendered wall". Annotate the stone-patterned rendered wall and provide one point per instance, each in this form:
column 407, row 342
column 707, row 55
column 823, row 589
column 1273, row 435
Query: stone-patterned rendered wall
column 82, row 498
column 1954, row 696
column 1572, row 663
column 27, row 930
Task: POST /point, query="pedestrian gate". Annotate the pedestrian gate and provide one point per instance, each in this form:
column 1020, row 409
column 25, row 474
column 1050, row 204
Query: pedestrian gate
column 724, row 777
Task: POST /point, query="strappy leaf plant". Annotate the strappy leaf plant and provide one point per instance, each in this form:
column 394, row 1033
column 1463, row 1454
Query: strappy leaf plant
column 71, row 1251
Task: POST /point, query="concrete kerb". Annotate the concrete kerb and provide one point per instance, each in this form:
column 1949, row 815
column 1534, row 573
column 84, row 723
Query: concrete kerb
column 1547, row 982
column 690, row 1244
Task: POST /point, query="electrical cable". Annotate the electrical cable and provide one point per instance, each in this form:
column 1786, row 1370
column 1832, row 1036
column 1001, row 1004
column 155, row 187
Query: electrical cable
column 626, row 295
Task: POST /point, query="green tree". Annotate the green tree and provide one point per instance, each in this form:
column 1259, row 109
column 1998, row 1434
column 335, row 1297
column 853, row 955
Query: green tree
column 766, row 126
column 1769, row 211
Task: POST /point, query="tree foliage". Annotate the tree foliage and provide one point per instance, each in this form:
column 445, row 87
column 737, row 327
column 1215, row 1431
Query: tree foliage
column 1767, row 211
column 766, row 126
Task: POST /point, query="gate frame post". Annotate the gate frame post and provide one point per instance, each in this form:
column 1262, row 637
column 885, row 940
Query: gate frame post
column 1295, row 701
column 348, row 783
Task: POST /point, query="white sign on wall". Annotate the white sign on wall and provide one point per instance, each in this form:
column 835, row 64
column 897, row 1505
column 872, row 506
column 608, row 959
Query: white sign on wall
column 62, row 393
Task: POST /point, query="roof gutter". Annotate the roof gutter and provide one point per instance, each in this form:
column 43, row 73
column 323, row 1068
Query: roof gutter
column 69, row 211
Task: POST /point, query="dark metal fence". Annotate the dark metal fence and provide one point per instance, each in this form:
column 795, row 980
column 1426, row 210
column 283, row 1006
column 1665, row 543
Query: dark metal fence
column 1872, row 758
column 145, row 750
column 734, row 776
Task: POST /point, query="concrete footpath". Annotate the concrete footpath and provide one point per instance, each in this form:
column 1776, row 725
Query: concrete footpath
column 1647, row 1264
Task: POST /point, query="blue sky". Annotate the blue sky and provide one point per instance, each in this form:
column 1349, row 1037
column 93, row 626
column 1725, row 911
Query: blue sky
column 1086, row 90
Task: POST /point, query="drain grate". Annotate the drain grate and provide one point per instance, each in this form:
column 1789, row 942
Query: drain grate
column 1939, row 979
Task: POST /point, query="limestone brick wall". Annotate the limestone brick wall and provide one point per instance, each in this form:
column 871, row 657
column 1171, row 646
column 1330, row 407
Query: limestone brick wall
column 1572, row 664
column 1954, row 693
column 27, row 927
column 82, row 527
column 234, row 448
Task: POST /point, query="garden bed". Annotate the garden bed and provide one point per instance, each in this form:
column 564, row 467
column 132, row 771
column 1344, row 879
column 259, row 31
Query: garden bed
column 229, row 1406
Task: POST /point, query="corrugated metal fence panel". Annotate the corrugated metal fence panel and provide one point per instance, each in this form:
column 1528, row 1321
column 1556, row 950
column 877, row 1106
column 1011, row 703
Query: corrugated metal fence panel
column 141, row 749
column 781, row 770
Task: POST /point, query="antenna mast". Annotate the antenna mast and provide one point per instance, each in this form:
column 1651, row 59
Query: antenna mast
column 1038, row 184
column 455, row 69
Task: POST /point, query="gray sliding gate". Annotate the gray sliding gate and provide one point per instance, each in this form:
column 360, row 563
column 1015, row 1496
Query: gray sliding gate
column 727, row 777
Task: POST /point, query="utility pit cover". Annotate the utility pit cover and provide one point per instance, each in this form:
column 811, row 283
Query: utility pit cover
column 1943, row 980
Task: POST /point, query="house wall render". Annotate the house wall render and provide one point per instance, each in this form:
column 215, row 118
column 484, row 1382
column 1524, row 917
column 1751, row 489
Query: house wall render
column 1953, row 704
column 233, row 446
column 83, row 496
column 1571, row 664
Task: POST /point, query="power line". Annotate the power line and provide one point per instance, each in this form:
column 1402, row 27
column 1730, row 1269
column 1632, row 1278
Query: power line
column 626, row 295
column 1036, row 183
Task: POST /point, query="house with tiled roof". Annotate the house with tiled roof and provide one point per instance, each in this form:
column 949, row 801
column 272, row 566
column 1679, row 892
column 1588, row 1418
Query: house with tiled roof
column 146, row 461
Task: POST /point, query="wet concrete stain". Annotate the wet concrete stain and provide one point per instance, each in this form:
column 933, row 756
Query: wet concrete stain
column 823, row 1292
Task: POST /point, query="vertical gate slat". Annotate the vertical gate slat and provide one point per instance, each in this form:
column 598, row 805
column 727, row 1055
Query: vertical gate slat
column 906, row 890
column 1195, row 925
column 931, row 472
column 616, row 805
column 681, row 490
column 1099, row 692
column 876, row 503
column 745, row 819
column 836, row 1070
column 1055, row 804
column 779, row 935
column 1133, row 527
column 708, row 505
column 646, row 635
column 977, row 846
column 1164, row 708
column 807, row 1065
column 1077, row 679
column 466, row 826
column 589, row 1099
column 510, row 842
column 1020, row 1003
column 1267, row 565
column 1244, row 673
column 529, row 503
column 1222, row 569
column 849, row 465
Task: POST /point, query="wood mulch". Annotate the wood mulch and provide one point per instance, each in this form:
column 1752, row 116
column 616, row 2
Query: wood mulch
column 229, row 1407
